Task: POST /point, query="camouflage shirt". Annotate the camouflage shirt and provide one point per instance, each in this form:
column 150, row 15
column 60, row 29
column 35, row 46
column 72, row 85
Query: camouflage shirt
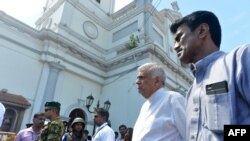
column 53, row 131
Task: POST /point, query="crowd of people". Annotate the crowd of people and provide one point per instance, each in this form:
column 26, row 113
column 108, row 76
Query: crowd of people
column 58, row 130
column 217, row 97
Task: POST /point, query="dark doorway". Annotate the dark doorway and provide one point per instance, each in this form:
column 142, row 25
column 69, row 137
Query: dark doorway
column 76, row 113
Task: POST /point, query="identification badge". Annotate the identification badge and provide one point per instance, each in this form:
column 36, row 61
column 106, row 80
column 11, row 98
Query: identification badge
column 217, row 88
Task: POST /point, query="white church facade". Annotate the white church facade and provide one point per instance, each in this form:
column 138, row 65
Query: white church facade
column 80, row 48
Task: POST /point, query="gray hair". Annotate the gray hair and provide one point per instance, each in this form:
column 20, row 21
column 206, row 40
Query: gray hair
column 154, row 69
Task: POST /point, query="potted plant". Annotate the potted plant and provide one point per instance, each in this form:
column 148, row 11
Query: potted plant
column 134, row 40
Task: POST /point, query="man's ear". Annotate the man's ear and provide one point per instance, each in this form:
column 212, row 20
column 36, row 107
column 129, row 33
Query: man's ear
column 157, row 79
column 105, row 118
column 203, row 30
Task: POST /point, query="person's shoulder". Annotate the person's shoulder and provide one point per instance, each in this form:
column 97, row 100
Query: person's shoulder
column 244, row 48
column 24, row 130
column 57, row 123
column 242, row 51
column 19, row 133
column 239, row 49
column 175, row 94
column 108, row 129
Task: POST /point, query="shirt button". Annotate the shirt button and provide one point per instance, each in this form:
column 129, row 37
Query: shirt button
column 192, row 137
column 196, row 109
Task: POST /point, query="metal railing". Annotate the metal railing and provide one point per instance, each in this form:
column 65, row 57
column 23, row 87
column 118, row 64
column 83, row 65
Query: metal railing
column 7, row 136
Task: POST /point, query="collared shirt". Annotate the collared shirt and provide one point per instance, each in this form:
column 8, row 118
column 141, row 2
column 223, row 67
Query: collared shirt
column 104, row 133
column 2, row 111
column 27, row 134
column 220, row 94
column 162, row 118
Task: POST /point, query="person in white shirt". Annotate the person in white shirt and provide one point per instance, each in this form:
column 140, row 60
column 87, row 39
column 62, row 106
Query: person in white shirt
column 2, row 111
column 162, row 116
column 103, row 131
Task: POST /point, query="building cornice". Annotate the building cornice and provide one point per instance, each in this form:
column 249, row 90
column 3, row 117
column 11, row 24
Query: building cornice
column 106, row 65
column 94, row 59
column 17, row 25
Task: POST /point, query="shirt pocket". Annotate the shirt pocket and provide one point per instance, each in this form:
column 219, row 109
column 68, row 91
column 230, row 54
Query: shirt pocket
column 217, row 111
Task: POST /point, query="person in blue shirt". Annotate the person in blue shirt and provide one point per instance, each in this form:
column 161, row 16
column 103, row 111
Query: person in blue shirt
column 220, row 93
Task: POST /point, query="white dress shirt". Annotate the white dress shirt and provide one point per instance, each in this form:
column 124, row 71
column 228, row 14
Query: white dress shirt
column 162, row 118
column 104, row 133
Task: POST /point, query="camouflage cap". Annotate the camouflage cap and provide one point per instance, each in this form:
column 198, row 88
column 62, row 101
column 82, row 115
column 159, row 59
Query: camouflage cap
column 53, row 104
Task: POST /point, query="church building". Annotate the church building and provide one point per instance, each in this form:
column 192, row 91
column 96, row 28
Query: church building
column 84, row 54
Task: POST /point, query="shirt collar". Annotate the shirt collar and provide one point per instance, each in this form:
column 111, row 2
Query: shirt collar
column 103, row 125
column 156, row 95
column 202, row 65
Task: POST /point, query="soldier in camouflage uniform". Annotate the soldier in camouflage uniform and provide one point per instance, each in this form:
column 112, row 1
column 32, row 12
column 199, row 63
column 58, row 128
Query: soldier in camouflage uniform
column 53, row 131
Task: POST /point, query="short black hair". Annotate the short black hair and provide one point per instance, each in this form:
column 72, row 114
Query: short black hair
column 124, row 126
column 196, row 18
column 102, row 112
column 36, row 115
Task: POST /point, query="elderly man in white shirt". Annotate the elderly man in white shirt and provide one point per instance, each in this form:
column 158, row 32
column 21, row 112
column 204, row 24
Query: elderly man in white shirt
column 162, row 116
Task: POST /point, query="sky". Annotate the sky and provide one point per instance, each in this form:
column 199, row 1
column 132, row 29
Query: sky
column 233, row 15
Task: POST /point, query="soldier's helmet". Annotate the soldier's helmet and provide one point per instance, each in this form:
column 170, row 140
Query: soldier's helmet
column 78, row 120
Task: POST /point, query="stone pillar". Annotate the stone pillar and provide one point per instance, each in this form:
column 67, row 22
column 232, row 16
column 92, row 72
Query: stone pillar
column 49, row 92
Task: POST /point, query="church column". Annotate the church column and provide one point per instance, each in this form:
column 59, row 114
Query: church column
column 49, row 92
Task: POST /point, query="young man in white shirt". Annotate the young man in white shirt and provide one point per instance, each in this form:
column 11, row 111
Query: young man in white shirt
column 103, row 131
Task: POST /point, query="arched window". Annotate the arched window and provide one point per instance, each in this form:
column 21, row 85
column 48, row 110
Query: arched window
column 15, row 106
